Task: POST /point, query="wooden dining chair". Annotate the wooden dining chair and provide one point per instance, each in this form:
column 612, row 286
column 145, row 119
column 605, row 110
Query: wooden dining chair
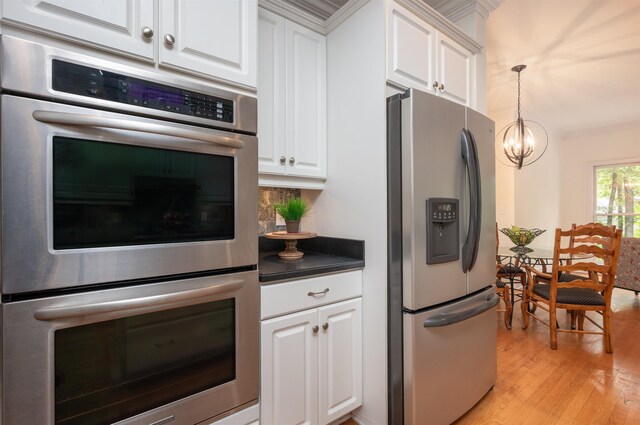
column 568, row 277
column 595, row 253
column 505, row 272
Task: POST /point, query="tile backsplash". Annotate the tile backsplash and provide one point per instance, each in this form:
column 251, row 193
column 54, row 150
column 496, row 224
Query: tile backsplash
column 267, row 198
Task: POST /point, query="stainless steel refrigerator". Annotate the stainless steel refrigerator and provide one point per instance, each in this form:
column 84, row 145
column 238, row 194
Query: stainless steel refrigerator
column 441, row 235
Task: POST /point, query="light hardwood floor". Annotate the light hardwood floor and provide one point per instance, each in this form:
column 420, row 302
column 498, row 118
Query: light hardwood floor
column 577, row 384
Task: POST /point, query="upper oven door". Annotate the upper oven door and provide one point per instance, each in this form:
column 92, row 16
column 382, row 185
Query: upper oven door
column 92, row 196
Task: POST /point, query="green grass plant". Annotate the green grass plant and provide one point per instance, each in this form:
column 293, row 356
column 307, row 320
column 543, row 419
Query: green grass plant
column 292, row 210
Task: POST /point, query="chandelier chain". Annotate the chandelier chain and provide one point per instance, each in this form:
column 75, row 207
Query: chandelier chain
column 518, row 94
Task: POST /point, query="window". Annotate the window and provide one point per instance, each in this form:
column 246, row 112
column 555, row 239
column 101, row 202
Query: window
column 617, row 197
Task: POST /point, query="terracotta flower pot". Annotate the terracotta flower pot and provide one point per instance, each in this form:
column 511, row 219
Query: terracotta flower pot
column 293, row 226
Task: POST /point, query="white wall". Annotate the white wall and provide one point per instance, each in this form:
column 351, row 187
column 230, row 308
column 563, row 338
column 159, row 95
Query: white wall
column 557, row 190
column 353, row 203
column 537, row 192
column 579, row 152
column 528, row 197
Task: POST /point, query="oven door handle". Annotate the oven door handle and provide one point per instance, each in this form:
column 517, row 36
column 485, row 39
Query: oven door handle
column 83, row 120
column 66, row 312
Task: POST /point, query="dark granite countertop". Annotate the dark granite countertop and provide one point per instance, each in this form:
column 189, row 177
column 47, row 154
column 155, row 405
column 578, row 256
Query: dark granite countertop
column 321, row 255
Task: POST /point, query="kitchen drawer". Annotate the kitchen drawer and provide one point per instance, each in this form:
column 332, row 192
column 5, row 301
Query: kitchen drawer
column 287, row 297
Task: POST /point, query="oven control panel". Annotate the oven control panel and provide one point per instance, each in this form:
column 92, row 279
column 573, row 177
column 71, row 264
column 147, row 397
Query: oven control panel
column 101, row 84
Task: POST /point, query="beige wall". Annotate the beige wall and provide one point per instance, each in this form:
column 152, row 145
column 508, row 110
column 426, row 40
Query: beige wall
column 529, row 197
column 537, row 192
column 580, row 152
column 556, row 190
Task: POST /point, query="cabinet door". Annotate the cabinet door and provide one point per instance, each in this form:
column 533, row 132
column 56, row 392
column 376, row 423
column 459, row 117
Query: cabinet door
column 306, row 117
column 455, row 71
column 410, row 50
column 340, row 359
column 289, row 370
column 271, row 93
column 211, row 38
column 116, row 24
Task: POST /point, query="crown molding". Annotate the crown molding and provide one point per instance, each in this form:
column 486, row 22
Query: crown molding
column 344, row 13
column 310, row 21
column 458, row 9
column 293, row 13
column 433, row 17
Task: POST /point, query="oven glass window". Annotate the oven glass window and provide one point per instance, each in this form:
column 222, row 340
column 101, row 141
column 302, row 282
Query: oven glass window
column 108, row 194
column 110, row 371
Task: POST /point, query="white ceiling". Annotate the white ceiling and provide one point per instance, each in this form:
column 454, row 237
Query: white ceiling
column 582, row 57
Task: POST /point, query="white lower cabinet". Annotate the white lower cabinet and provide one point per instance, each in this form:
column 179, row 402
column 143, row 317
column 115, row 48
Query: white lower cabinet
column 311, row 364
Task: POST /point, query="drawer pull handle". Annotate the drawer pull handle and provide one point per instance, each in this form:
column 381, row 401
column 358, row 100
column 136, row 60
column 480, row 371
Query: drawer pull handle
column 315, row 329
column 319, row 293
column 325, row 326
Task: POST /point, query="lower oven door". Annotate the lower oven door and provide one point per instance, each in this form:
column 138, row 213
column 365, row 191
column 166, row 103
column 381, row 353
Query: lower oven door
column 91, row 196
column 176, row 352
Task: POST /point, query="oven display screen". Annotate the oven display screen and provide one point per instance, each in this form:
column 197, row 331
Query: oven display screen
column 156, row 94
column 114, row 87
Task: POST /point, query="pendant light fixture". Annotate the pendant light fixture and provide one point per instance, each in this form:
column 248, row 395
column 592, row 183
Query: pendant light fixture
column 523, row 141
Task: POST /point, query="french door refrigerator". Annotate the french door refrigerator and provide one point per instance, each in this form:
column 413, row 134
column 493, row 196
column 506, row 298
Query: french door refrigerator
column 441, row 235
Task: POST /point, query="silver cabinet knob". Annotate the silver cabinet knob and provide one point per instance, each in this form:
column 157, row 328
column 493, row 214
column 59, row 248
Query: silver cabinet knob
column 146, row 32
column 325, row 326
column 283, row 159
column 441, row 87
column 169, row 40
column 435, row 85
column 292, row 160
column 315, row 329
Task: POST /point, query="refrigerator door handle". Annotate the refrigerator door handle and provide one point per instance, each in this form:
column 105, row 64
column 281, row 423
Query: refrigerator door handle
column 470, row 157
column 446, row 319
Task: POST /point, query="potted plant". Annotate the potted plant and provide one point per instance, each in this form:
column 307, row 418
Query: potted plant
column 292, row 211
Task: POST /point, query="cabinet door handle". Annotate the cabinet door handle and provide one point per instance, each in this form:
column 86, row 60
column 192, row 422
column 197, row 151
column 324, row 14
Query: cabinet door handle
column 315, row 329
column 325, row 326
column 441, row 87
column 435, row 85
column 283, row 159
column 319, row 293
column 292, row 160
column 146, row 32
column 169, row 39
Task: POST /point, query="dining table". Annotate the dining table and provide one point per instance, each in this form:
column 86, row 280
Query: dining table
column 512, row 259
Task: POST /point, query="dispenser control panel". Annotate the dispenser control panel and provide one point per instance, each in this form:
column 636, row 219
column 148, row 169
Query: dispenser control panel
column 443, row 230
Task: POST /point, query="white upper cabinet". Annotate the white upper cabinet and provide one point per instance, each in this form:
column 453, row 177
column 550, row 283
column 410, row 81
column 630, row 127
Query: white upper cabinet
column 455, row 70
column 271, row 93
column 420, row 56
column 306, row 102
column 410, row 50
column 210, row 37
column 119, row 24
column 292, row 116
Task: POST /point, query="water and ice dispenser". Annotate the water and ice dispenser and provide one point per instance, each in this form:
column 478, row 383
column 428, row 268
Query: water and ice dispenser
column 443, row 230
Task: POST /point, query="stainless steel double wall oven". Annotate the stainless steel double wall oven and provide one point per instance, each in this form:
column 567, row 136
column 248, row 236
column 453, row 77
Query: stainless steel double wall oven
column 129, row 244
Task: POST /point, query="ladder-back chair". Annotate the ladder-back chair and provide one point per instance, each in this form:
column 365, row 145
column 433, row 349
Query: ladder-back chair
column 594, row 253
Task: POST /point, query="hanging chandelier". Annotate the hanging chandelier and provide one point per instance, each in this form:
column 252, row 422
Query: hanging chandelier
column 523, row 141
